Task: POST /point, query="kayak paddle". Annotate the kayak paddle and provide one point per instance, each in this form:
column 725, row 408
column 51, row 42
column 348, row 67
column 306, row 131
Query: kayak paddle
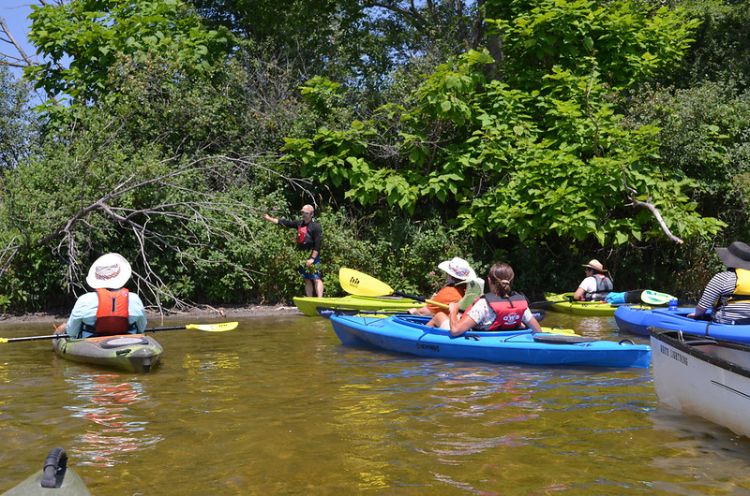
column 361, row 284
column 651, row 297
column 221, row 327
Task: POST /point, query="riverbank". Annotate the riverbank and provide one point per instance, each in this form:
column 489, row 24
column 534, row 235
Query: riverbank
column 154, row 317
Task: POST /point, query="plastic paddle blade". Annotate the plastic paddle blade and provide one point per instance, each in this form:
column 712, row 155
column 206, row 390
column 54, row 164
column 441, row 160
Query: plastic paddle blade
column 360, row 284
column 651, row 297
column 222, row 327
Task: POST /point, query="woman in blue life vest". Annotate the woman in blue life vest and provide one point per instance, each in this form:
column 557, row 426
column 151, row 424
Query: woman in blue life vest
column 309, row 236
column 109, row 310
column 596, row 286
column 727, row 294
column 499, row 310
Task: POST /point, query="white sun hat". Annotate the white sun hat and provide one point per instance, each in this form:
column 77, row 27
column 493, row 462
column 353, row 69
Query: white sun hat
column 458, row 268
column 109, row 271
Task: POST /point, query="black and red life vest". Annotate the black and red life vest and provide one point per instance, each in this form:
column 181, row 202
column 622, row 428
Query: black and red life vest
column 303, row 235
column 508, row 311
column 112, row 312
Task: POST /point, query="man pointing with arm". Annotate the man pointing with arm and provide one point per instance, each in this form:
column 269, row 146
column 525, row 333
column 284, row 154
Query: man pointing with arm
column 309, row 237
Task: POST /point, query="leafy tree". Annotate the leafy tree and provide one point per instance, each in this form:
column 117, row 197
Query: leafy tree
column 359, row 42
column 82, row 40
column 17, row 123
column 543, row 153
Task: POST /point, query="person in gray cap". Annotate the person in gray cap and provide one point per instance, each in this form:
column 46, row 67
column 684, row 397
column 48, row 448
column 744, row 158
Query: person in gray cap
column 309, row 237
column 728, row 292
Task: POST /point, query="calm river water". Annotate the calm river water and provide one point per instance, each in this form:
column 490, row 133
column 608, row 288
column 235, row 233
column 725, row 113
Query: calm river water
column 280, row 407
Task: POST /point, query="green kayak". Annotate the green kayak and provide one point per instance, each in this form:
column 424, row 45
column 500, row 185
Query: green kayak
column 129, row 352
column 309, row 304
column 55, row 479
column 563, row 302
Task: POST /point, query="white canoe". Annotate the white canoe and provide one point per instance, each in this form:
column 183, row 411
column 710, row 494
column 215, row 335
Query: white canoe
column 704, row 377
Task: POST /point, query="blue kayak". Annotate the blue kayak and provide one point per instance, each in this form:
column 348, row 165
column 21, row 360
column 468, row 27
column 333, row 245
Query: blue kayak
column 637, row 321
column 408, row 334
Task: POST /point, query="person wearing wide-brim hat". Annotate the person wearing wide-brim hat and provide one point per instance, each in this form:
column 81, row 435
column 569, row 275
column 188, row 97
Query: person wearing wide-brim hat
column 460, row 279
column 110, row 309
column 728, row 292
column 596, row 285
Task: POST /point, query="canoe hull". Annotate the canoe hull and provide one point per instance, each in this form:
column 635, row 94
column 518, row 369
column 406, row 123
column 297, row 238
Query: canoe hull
column 308, row 305
column 404, row 334
column 637, row 321
column 128, row 352
column 703, row 377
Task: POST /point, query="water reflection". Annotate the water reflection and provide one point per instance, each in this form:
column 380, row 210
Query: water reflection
column 113, row 429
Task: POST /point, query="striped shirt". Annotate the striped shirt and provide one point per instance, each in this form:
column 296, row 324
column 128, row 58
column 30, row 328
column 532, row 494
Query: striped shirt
column 717, row 292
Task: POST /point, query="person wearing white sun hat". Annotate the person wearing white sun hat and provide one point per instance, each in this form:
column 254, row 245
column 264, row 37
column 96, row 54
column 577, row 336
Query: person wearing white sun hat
column 461, row 286
column 111, row 309
column 596, row 286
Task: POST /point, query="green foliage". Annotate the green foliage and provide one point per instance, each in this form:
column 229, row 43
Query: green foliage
column 17, row 124
column 704, row 134
column 721, row 51
column 624, row 41
column 82, row 41
column 515, row 163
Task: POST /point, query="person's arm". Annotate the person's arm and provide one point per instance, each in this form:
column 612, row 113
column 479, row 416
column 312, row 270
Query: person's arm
column 585, row 285
column 316, row 233
column 698, row 312
column 272, row 220
column 85, row 307
column 420, row 311
column 578, row 295
column 459, row 326
column 137, row 312
column 712, row 293
column 530, row 321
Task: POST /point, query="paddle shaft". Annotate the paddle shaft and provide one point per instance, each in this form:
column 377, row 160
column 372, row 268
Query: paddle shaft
column 33, row 338
column 199, row 327
column 420, row 298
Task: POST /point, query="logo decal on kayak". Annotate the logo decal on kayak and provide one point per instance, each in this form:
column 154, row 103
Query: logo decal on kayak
column 354, row 281
column 673, row 354
column 431, row 347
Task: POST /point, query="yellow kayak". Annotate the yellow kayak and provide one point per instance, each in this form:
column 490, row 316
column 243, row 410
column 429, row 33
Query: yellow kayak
column 309, row 304
column 564, row 302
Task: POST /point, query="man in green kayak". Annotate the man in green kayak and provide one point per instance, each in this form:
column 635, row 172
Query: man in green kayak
column 596, row 286
column 309, row 237
column 109, row 310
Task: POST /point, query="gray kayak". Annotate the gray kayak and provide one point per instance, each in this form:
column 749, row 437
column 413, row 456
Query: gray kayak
column 55, row 479
column 130, row 352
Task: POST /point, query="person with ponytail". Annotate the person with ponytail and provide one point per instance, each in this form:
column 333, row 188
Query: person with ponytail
column 499, row 310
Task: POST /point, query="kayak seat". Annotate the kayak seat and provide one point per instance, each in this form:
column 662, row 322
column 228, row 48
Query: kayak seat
column 54, row 468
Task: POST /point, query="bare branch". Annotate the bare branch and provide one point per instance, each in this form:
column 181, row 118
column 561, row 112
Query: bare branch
column 10, row 39
column 659, row 219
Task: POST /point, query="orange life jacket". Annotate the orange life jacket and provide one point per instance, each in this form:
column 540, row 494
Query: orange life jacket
column 112, row 312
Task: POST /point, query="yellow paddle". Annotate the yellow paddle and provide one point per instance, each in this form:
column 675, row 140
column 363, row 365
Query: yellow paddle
column 220, row 327
column 361, row 284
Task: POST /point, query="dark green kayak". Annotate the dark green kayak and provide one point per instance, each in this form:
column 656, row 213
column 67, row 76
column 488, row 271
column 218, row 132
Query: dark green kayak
column 55, row 479
column 130, row 352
